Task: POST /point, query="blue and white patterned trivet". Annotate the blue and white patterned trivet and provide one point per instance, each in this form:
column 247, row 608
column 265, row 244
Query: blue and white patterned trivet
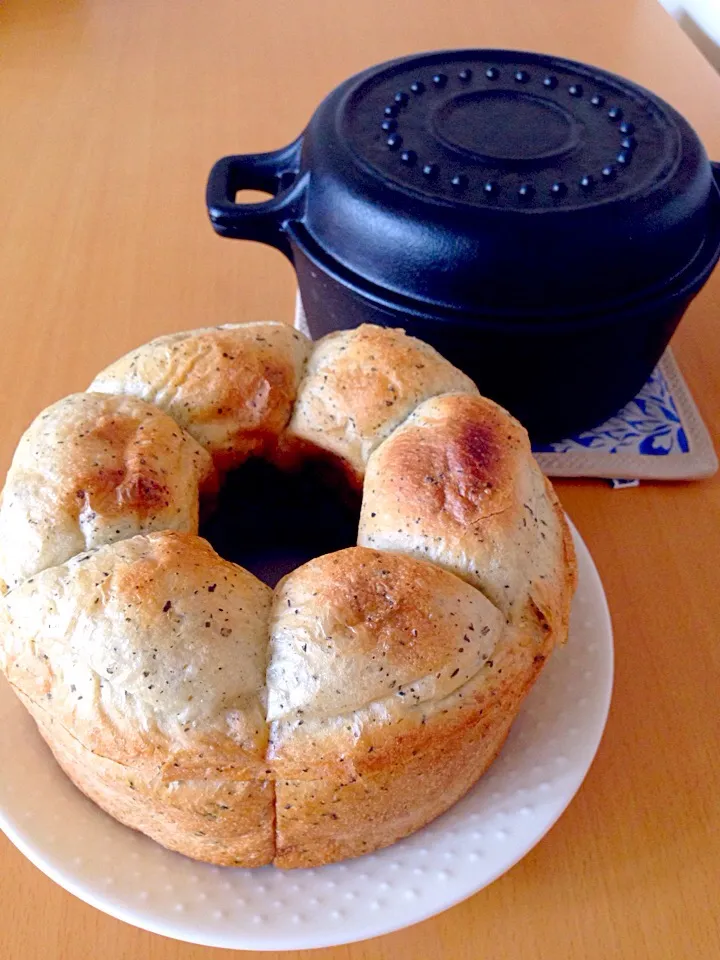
column 658, row 436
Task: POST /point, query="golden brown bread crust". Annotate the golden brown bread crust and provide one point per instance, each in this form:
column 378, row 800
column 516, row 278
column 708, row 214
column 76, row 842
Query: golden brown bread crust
column 457, row 484
column 231, row 387
column 393, row 675
column 358, row 386
column 324, row 821
column 143, row 664
column 94, row 469
column 223, row 821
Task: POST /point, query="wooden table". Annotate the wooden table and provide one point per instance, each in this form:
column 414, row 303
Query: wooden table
column 112, row 114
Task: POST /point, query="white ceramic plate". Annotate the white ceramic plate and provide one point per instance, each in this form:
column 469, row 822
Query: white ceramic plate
column 543, row 763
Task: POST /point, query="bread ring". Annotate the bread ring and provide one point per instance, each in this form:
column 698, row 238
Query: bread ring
column 365, row 694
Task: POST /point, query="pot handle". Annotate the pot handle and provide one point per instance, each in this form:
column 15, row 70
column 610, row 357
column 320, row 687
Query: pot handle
column 275, row 172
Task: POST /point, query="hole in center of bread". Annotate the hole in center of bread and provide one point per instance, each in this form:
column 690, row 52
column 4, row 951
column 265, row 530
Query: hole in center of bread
column 271, row 521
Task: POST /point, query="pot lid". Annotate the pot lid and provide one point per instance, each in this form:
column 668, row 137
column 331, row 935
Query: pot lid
column 497, row 179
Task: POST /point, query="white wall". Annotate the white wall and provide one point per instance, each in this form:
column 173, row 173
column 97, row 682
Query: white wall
column 700, row 19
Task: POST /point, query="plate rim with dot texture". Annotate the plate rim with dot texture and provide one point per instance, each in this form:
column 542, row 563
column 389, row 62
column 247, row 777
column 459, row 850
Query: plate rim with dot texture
column 123, row 873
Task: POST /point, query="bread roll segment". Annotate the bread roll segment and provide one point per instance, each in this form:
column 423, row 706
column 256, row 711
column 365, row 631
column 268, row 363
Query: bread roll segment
column 144, row 663
column 358, row 386
column 392, row 685
column 356, row 626
column 231, row 387
column 151, row 651
column 457, row 484
column 94, row 469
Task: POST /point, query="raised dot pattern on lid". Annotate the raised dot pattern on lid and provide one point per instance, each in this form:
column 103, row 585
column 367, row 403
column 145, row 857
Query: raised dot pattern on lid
column 598, row 108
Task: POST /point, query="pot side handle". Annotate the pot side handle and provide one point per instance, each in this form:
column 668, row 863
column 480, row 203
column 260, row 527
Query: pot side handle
column 276, row 173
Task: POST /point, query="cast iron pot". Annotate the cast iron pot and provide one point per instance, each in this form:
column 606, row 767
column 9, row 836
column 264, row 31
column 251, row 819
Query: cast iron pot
column 543, row 223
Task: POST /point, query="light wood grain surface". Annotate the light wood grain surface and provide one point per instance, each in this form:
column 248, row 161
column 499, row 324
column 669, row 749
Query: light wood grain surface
column 111, row 115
